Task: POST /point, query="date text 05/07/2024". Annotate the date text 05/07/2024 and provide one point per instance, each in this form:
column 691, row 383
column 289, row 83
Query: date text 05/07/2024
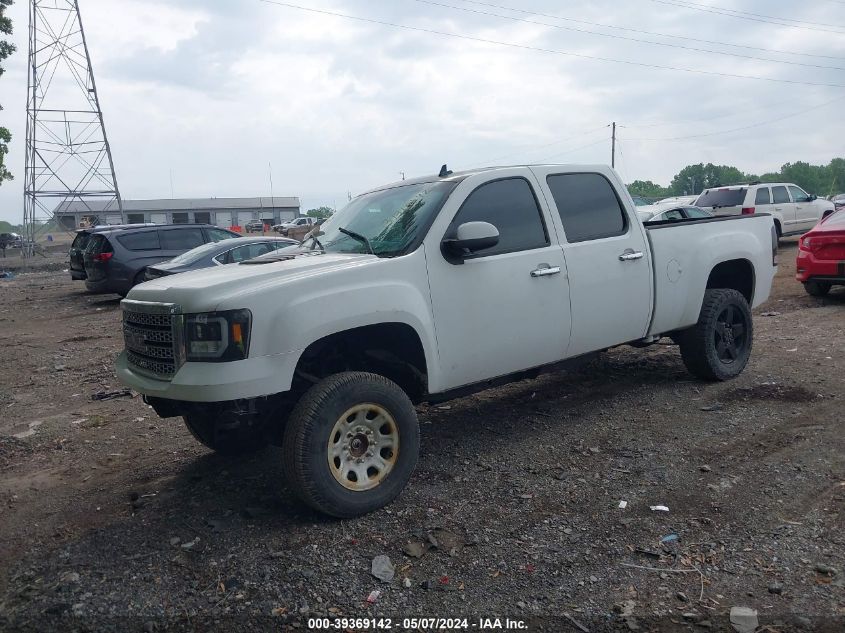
column 417, row 624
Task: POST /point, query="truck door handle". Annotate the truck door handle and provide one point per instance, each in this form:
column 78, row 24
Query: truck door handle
column 545, row 270
column 630, row 255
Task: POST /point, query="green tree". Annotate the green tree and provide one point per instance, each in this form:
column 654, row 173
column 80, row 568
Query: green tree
column 647, row 189
column 693, row 179
column 6, row 49
column 321, row 213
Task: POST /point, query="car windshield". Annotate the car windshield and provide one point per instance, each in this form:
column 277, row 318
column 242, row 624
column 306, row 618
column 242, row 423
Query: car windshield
column 196, row 254
column 392, row 221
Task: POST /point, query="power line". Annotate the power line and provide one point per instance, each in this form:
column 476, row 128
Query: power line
column 527, row 149
column 749, row 17
column 623, row 37
column 553, row 51
column 756, row 15
column 652, row 33
column 745, row 127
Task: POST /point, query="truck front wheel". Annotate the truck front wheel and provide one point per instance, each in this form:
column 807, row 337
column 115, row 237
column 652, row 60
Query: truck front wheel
column 225, row 436
column 719, row 345
column 351, row 444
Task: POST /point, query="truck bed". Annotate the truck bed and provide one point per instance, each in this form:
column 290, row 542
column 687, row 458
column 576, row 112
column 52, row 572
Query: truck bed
column 684, row 252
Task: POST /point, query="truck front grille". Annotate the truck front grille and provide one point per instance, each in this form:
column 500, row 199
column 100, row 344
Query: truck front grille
column 152, row 336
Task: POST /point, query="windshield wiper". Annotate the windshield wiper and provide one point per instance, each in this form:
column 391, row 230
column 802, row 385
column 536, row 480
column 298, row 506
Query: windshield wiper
column 313, row 236
column 358, row 237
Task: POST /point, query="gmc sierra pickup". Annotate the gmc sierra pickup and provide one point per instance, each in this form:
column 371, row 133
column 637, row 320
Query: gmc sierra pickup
column 425, row 290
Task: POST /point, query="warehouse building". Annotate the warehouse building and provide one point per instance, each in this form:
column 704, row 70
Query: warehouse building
column 224, row 212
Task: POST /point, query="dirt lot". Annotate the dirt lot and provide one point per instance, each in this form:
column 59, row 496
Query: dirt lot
column 114, row 519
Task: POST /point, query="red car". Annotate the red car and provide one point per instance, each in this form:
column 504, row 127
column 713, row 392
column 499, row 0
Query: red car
column 821, row 255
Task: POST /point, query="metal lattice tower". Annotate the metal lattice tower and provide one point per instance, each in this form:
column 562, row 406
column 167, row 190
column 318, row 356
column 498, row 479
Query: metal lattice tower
column 68, row 157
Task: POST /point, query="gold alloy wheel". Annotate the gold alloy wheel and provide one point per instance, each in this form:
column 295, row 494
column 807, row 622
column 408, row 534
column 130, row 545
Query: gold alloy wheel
column 363, row 447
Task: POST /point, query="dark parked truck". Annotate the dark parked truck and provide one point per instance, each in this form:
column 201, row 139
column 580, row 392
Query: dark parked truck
column 425, row 290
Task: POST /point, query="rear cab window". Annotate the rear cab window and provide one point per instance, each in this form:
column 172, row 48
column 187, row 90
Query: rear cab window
column 588, row 206
column 717, row 198
column 140, row 241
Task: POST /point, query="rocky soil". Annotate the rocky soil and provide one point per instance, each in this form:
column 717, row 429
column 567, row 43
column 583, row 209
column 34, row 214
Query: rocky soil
column 113, row 519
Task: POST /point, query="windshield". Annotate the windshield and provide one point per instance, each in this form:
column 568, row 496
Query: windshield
column 196, row 254
column 393, row 221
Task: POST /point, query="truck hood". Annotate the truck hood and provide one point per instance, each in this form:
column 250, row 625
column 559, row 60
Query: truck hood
column 230, row 286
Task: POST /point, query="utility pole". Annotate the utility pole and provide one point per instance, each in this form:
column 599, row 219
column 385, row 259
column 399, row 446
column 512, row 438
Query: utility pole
column 613, row 148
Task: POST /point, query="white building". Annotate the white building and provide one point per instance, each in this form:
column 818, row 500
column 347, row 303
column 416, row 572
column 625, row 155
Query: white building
column 223, row 212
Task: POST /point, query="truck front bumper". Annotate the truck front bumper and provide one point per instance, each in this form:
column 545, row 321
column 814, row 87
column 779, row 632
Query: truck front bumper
column 215, row 382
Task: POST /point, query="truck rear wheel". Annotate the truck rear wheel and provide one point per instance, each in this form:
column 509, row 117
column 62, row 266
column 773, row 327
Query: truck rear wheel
column 719, row 345
column 817, row 288
column 351, row 444
column 225, row 436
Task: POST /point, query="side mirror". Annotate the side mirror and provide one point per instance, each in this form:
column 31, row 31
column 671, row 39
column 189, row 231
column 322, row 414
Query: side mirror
column 471, row 237
column 813, row 197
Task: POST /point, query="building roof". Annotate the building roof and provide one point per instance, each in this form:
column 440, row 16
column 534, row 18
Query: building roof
column 183, row 204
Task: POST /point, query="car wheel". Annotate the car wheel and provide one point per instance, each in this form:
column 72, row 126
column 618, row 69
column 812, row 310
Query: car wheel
column 817, row 288
column 719, row 345
column 351, row 444
column 225, row 436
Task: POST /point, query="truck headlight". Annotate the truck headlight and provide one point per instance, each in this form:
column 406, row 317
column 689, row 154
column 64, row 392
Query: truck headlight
column 216, row 337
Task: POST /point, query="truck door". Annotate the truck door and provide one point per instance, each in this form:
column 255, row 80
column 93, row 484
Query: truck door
column 607, row 256
column 506, row 308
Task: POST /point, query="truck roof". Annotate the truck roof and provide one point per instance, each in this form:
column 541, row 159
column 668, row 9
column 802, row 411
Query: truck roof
column 458, row 176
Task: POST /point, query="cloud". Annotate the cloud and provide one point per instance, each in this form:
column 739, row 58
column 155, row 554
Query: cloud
column 215, row 91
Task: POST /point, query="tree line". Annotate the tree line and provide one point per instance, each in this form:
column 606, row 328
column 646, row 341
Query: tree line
column 822, row 180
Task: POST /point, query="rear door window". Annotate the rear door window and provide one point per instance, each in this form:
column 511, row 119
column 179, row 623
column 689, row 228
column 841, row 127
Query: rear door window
column 764, row 196
column 717, row 198
column 780, row 195
column 511, row 207
column 181, row 239
column 244, row 253
column 140, row 241
column 588, row 205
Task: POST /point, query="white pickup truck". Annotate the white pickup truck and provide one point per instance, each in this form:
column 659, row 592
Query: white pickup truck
column 426, row 290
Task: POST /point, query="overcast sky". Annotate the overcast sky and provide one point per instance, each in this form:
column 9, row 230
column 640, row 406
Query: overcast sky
column 215, row 90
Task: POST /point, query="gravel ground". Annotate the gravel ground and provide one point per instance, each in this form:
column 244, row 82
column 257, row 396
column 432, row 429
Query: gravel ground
column 113, row 519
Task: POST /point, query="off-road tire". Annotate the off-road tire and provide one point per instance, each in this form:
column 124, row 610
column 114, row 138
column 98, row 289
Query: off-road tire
column 224, row 438
column 817, row 288
column 700, row 344
column 309, row 428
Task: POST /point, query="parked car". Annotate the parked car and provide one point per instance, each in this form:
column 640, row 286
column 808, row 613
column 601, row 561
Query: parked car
column 76, row 263
column 255, row 226
column 115, row 258
column 677, row 201
column 10, row 240
column 662, row 214
column 410, row 294
column 821, row 256
column 231, row 251
column 838, row 201
column 795, row 211
column 298, row 222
